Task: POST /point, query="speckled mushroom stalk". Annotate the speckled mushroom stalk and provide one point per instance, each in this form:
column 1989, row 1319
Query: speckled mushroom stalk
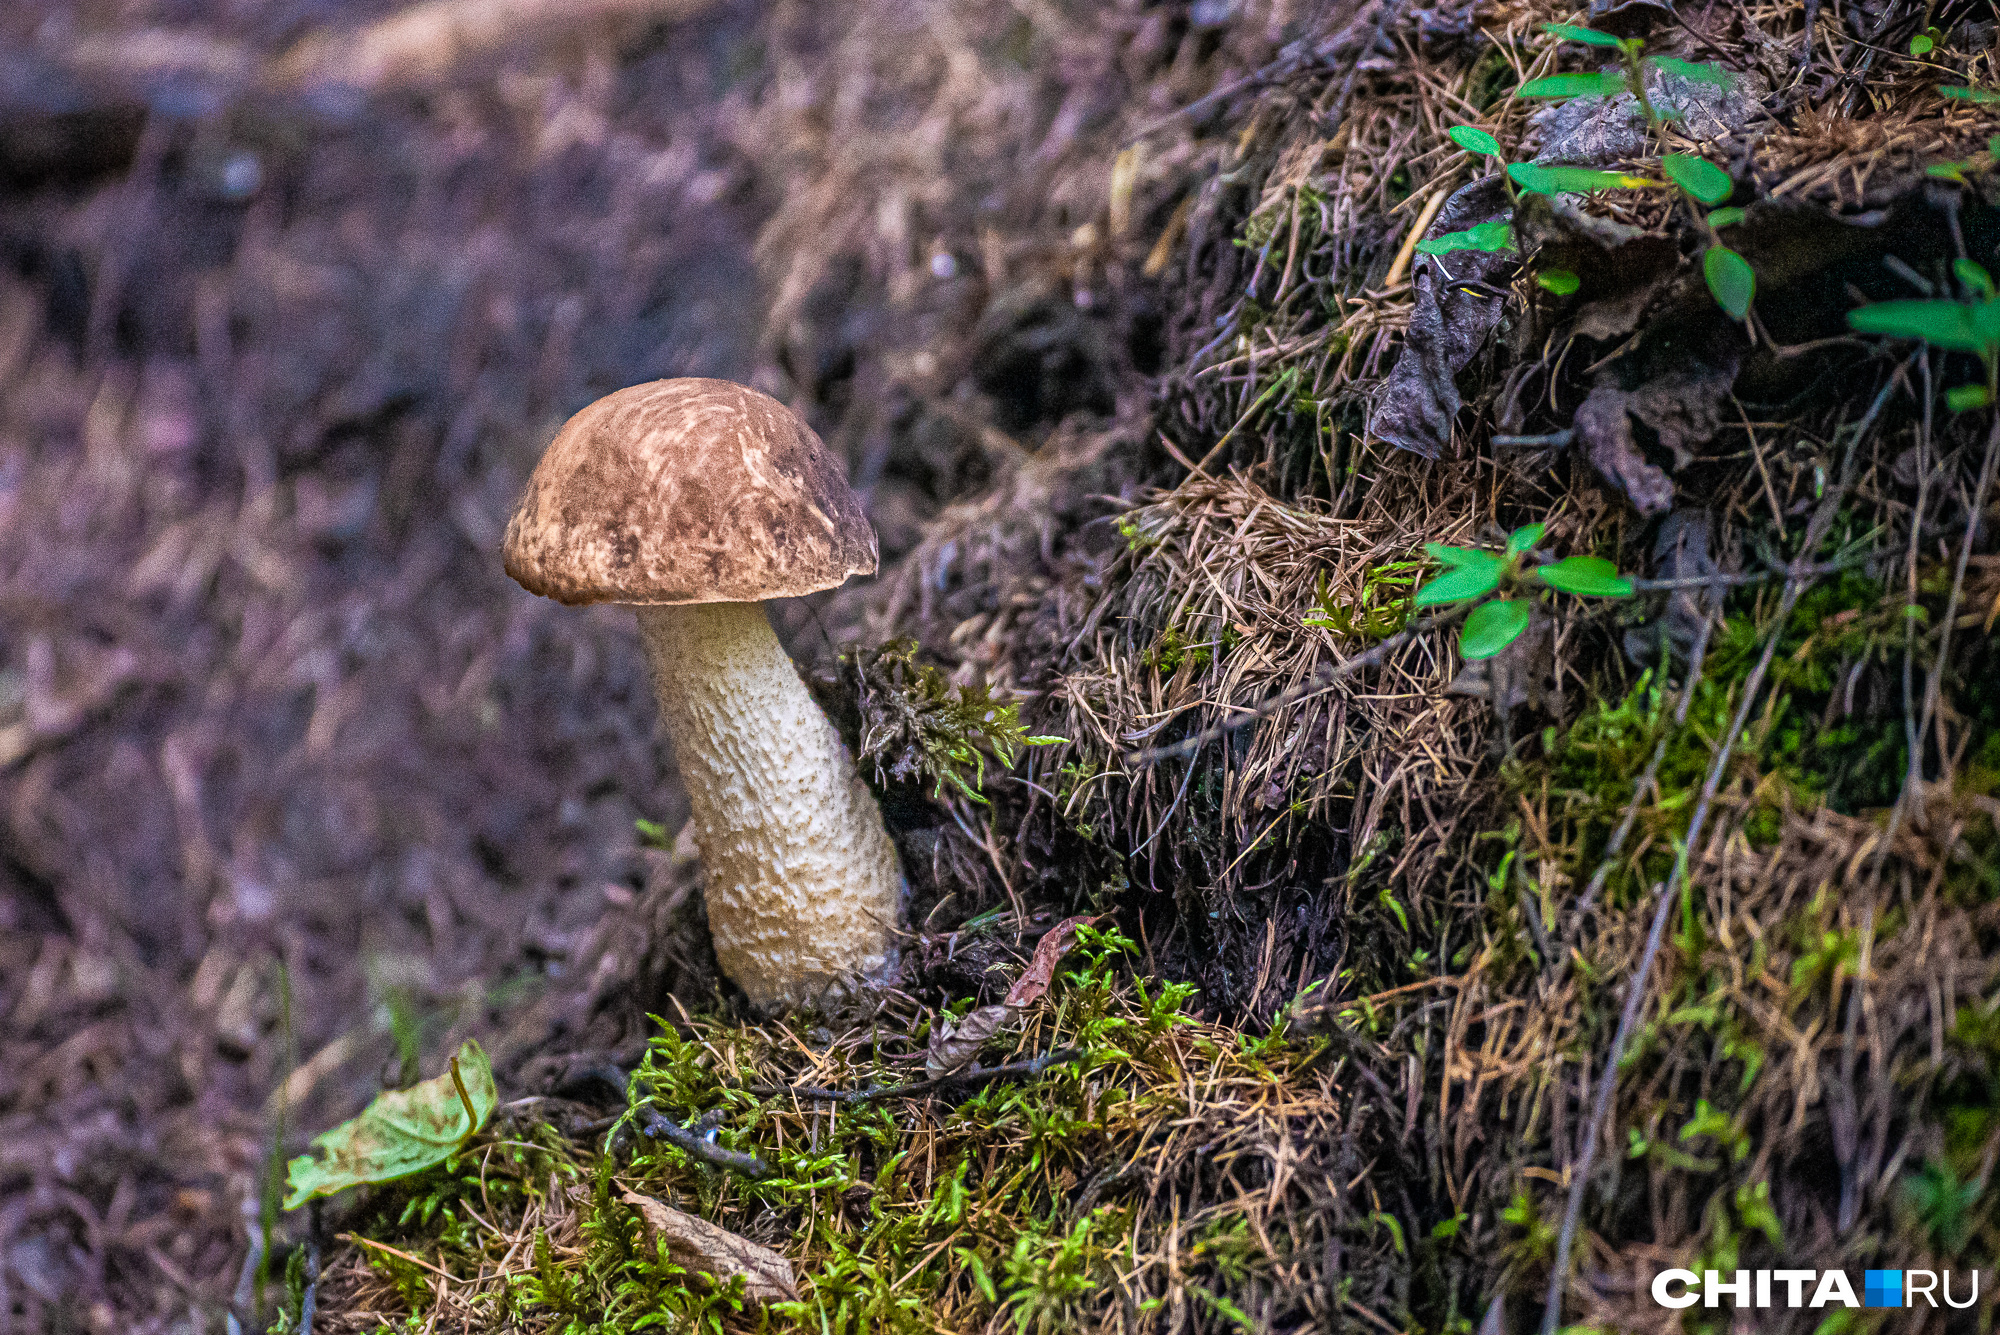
column 693, row 501
column 803, row 887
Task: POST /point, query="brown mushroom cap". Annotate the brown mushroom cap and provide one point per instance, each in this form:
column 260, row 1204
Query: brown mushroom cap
column 686, row 491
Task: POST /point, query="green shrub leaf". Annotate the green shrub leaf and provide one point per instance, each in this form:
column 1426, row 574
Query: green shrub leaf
column 1523, row 539
column 1973, row 274
column 1725, row 217
column 1986, row 323
column 1559, row 281
column 1942, row 324
column 1922, row 45
column 1492, row 627
column 1571, row 180
column 1965, row 398
column 1490, row 237
column 1587, row 577
column 1731, row 281
column 1474, row 140
column 1947, row 171
column 403, row 1131
column 1965, row 94
column 1701, row 178
column 1610, row 83
column 1457, row 556
column 1570, row 32
column 1699, row 71
column 1466, row 581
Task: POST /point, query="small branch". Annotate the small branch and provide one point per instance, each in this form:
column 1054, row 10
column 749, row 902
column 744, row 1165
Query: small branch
column 976, row 1075
column 1729, row 581
column 309, row 1302
column 699, row 1146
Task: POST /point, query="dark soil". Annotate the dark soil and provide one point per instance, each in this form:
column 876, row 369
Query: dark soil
column 292, row 772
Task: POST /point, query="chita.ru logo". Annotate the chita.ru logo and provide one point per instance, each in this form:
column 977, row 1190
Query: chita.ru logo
column 1811, row 1288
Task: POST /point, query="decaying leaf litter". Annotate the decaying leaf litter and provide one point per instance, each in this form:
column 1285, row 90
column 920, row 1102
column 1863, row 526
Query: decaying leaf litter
column 1410, row 915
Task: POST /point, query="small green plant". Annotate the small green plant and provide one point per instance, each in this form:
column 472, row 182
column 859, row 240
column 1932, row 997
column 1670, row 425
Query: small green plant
column 916, row 724
column 1971, row 325
column 1381, row 610
column 1472, row 574
column 1959, row 171
column 1731, row 281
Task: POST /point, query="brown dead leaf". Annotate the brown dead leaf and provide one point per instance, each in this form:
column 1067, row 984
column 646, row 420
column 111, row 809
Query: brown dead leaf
column 1041, row 970
column 716, row 1252
column 1451, row 315
column 953, row 1046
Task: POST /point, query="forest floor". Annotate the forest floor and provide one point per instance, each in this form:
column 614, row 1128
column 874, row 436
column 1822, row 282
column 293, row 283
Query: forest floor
column 1378, row 961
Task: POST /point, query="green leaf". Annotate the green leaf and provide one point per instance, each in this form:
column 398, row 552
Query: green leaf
column 1731, row 281
column 1559, row 281
column 1455, row 586
column 1986, row 323
column 1492, row 627
column 1974, row 276
column 1586, row 577
column 1701, row 178
column 1570, row 32
column 1474, row 140
column 1947, row 171
column 1696, row 70
column 1922, row 45
column 1457, row 556
column 1942, row 324
column 1609, row 83
column 1523, row 539
column 1487, row 236
column 403, row 1131
column 1965, row 398
column 1964, row 94
column 1725, row 217
column 1571, row 180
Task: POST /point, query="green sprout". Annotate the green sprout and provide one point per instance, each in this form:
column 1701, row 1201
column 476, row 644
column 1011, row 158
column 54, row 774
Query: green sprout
column 1972, row 325
column 1730, row 279
column 1472, row 574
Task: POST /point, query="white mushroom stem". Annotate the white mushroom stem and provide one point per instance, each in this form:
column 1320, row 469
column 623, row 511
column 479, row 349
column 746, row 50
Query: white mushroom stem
column 803, row 887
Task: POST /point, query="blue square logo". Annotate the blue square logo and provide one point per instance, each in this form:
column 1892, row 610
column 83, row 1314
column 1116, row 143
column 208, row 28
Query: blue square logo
column 1882, row 1288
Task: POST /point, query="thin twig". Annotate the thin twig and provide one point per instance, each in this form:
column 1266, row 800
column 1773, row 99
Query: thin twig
column 970, row 1076
column 1628, row 1018
column 1615, row 849
column 660, row 1127
column 309, row 1301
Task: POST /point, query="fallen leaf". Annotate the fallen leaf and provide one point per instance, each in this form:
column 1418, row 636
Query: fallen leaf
column 1605, row 429
column 1041, row 970
column 1603, row 131
column 700, row 1246
column 1448, row 323
column 403, row 1131
column 953, row 1046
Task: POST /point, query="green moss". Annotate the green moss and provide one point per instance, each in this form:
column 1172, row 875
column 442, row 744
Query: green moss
column 917, row 725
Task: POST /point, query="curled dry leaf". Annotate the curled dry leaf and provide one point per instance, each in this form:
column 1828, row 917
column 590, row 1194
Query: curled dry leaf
column 953, row 1046
column 1041, row 970
column 716, row 1252
column 1450, row 318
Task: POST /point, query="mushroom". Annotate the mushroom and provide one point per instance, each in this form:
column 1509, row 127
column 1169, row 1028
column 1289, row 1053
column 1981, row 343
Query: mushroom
column 693, row 501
